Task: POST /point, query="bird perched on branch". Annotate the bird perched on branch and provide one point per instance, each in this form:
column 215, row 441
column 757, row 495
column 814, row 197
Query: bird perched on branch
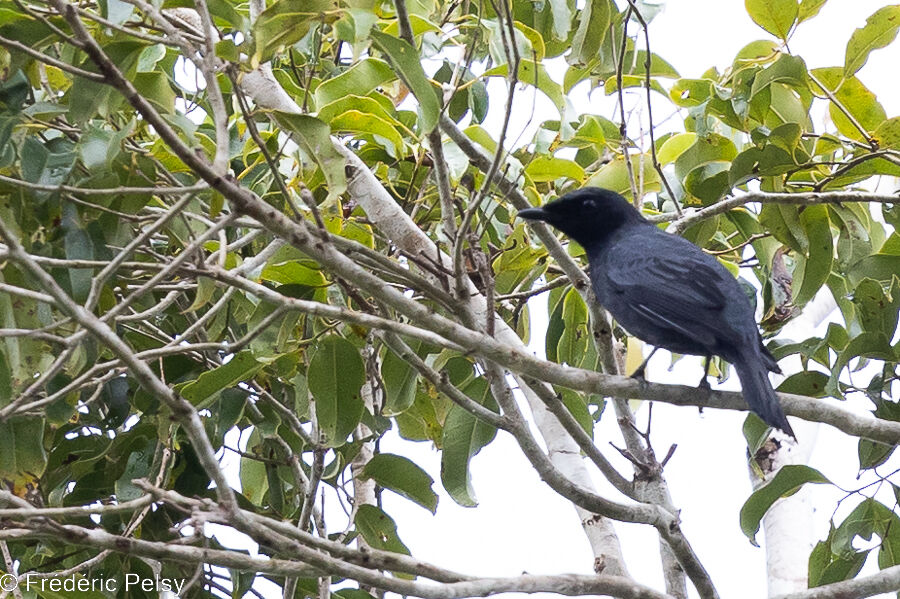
column 667, row 291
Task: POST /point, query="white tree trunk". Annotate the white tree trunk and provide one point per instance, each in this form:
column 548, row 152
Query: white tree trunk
column 788, row 524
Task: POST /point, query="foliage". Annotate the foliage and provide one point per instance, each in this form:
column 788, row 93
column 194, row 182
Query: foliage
column 282, row 292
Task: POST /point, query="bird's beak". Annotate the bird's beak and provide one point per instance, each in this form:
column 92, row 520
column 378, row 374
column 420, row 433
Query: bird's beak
column 533, row 214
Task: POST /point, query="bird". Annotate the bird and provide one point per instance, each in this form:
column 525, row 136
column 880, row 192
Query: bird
column 666, row 291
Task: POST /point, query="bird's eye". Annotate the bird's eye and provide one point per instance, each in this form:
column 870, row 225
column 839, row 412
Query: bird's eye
column 590, row 204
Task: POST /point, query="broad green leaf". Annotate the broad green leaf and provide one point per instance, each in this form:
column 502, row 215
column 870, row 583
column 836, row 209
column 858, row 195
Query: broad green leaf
column 362, row 104
column 240, row 367
column 827, row 567
column 879, row 31
column 705, row 150
column 535, row 75
column 674, row 147
column 614, row 175
column 465, row 436
column 873, row 454
column 877, row 310
column 45, row 165
column 562, row 18
column 400, row 382
column 78, row 246
column 593, row 25
column 359, row 79
column 817, row 226
column 254, row 482
column 404, row 477
column 855, row 98
column 534, row 38
column 881, row 267
column 22, row 455
column 888, row 134
column 867, row 345
column 155, row 88
column 775, row 16
column 138, row 465
column 417, row 24
column 285, row 22
column 789, row 70
column 314, row 137
column 294, row 272
column 379, row 530
column 785, row 482
column 407, row 64
column 576, row 336
column 809, row 383
column 808, row 9
column 335, row 374
column 691, row 92
column 550, row 168
column 870, row 517
column 354, row 121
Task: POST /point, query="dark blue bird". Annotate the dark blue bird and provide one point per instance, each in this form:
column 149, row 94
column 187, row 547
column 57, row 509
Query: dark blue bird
column 667, row 291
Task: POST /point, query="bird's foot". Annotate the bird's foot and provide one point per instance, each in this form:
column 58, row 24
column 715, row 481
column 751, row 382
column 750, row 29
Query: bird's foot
column 704, row 386
column 638, row 375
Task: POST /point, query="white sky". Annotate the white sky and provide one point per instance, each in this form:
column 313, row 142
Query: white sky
column 520, row 524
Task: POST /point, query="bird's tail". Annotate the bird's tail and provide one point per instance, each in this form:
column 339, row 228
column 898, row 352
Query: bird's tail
column 760, row 395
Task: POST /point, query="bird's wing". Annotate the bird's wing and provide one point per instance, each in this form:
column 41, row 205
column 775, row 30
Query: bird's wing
column 681, row 292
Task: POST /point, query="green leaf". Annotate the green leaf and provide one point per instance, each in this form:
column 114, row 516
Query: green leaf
column 360, row 79
column 576, row 336
column 785, row 482
column 254, row 481
column 335, row 374
column 593, row 25
column 877, row 311
column 873, row 454
column 879, row 31
column 116, row 11
column 465, row 436
column 155, row 88
column 614, row 175
column 809, row 9
column 826, row 567
column 400, row 382
column 537, row 76
column 44, row 166
column 674, row 147
column 354, row 121
column 138, row 466
column 817, row 226
column 562, row 18
column 868, row 345
column 285, row 22
column 855, row 98
column 379, row 530
column 407, row 64
column 294, row 272
column 888, row 134
column 362, row 104
column 314, row 137
column 404, row 477
column 240, row 367
column 809, row 383
column 22, row 455
column 775, row 16
column 789, row 70
column 549, row 168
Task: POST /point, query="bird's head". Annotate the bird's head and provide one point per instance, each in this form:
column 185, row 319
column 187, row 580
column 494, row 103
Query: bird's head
column 588, row 215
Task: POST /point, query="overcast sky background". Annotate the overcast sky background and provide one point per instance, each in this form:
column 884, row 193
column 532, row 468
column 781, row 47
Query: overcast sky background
column 520, row 525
